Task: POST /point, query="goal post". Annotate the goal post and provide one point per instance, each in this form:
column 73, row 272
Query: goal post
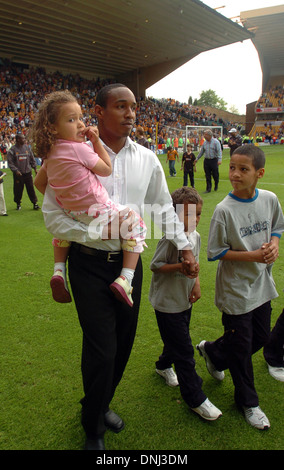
column 194, row 135
column 179, row 137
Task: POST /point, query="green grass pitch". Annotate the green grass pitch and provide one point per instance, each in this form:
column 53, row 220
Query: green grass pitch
column 41, row 347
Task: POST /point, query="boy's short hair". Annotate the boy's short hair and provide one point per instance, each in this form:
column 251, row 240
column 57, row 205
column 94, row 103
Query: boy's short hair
column 186, row 195
column 256, row 154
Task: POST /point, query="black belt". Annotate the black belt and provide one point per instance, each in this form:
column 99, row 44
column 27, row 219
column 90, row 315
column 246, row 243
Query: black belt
column 109, row 256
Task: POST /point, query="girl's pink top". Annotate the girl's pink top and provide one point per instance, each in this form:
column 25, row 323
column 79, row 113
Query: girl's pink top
column 69, row 174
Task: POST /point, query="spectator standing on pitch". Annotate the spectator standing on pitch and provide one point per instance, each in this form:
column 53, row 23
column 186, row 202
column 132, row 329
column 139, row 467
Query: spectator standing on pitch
column 172, row 156
column 234, row 141
column 3, row 210
column 273, row 351
column 188, row 165
column 172, row 295
column 109, row 326
column 21, row 161
column 141, row 139
column 244, row 236
column 211, row 149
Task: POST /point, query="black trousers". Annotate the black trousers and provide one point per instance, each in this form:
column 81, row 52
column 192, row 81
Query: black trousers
column 19, row 183
column 108, row 328
column 178, row 350
column 211, row 169
column 273, row 351
column 243, row 336
column 191, row 177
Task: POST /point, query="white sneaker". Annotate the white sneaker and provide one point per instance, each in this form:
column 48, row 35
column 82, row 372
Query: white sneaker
column 219, row 375
column 208, row 411
column 276, row 372
column 169, row 375
column 256, row 418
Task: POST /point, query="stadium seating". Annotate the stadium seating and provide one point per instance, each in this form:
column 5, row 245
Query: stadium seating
column 21, row 91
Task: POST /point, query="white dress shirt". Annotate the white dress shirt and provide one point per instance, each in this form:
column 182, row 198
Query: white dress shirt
column 137, row 181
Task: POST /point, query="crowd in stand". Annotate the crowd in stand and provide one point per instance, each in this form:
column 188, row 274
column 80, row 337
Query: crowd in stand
column 270, row 105
column 272, row 98
column 21, row 91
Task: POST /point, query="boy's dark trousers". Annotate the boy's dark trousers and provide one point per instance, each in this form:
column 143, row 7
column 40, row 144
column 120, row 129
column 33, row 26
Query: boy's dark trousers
column 178, row 350
column 274, row 350
column 191, row 177
column 243, row 336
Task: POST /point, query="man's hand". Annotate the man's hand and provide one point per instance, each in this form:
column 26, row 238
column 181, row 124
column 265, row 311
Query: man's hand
column 190, row 267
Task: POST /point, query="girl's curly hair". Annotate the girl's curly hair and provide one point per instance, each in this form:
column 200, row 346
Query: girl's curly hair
column 41, row 135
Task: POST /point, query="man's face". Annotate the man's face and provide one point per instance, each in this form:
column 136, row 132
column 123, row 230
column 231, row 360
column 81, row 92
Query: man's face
column 20, row 140
column 207, row 137
column 116, row 120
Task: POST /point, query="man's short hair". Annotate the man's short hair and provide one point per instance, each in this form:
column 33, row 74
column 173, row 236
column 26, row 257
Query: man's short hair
column 102, row 95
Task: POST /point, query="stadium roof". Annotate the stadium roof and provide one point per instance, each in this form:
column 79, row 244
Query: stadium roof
column 112, row 38
column 267, row 24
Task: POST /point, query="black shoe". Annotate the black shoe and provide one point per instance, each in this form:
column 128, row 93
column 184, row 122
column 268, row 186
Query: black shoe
column 95, row 443
column 216, row 188
column 4, row 215
column 36, row 207
column 113, row 421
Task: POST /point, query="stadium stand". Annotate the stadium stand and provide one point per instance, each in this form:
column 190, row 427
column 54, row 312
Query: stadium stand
column 269, row 110
column 265, row 118
column 21, row 91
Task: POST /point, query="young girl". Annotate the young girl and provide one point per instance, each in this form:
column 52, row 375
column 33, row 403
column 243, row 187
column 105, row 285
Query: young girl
column 70, row 167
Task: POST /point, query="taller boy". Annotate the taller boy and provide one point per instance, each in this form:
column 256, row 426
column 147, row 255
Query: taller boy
column 244, row 235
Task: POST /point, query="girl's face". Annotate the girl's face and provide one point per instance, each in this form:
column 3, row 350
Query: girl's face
column 69, row 124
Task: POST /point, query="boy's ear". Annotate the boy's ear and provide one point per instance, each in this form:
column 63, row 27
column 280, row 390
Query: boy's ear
column 261, row 172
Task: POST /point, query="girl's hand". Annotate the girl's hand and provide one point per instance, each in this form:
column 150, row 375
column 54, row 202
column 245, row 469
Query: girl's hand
column 92, row 133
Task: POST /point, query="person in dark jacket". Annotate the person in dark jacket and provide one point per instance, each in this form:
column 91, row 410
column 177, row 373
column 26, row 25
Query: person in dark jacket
column 3, row 210
column 21, row 161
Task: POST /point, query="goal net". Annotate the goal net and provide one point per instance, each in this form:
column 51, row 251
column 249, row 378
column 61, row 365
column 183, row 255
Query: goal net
column 194, row 135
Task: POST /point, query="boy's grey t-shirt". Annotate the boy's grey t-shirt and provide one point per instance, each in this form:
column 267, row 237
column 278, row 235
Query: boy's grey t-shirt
column 170, row 292
column 244, row 225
